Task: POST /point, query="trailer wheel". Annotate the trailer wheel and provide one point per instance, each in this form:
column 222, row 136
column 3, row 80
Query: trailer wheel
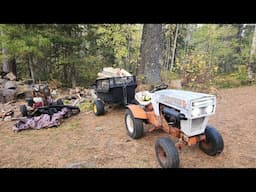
column 23, row 110
column 166, row 153
column 213, row 145
column 134, row 126
column 98, row 107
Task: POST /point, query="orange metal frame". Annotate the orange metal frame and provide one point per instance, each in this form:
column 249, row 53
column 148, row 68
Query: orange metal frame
column 149, row 116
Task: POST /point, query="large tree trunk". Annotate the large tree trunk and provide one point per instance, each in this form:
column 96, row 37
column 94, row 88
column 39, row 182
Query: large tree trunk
column 31, row 67
column 141, row 67
column 65, row 75
column 5, row 61
column 12, row 66
column 166, row 49
column 174, row 46
column 128, row 58
column 252, row 62
column 240, row 34
column 151, row 52
column 188, row 37
column 9, row 64
column 73, row 75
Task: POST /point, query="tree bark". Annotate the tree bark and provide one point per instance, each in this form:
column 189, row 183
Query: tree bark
column 9, row 64
column 141, row 67
column 174, row 46
column 151, row 52
column 240, row 34
column 5, row 61
column 189, row 32
column 73, row 75
column 166, row 50
column 252, row 62
column 128, row 58
column 31, row 67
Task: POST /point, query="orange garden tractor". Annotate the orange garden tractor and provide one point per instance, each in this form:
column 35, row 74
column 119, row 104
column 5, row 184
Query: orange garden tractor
column 182, row 114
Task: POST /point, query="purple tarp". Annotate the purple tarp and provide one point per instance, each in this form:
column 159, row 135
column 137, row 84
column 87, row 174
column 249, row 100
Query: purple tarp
column 41, row 121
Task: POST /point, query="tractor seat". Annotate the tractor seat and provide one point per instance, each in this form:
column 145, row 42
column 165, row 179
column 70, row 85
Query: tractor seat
column 143, row 97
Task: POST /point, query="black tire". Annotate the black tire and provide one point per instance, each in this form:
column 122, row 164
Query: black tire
column 133, row 126
column 166, row 153
column 75, row 111
column 98, row 107
column 23, row 110
column 214, row 144
column 59, row 102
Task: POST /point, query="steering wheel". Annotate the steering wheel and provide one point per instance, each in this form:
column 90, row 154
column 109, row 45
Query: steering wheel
column 159, row 87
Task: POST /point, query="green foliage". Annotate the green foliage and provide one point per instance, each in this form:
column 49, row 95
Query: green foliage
column 241, row 74
column 86, row 106
column 70, row 53
column 168, row 76
column 195, row 72
column 235, row 79
column 227, row 81
column 211, row 54
column 219, row 42
column 73, row 54
column 124, row 41
column 168, row 43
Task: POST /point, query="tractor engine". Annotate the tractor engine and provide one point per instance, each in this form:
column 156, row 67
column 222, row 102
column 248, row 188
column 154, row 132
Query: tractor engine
column 35, row 102
column 172, row 116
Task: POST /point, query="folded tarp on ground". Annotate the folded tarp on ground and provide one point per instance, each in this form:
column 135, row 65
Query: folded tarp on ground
column 41, row 121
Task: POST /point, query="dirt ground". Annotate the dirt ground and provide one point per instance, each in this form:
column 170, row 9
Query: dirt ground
column 101, row 142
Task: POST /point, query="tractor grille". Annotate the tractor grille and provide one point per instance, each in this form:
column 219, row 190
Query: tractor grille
column 197, row 124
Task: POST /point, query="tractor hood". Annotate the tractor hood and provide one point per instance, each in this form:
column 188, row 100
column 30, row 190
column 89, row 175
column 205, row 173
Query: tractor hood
column 183, row 95
column 183, row 100
column 191, row 104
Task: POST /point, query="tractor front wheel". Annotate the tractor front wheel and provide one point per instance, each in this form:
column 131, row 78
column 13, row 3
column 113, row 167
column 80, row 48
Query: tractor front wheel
column 213, row 144
column 134, row 126
column 166, row 153
column 98, row 107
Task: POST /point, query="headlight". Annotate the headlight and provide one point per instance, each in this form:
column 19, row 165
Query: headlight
column 209, row 109
column 195, row 112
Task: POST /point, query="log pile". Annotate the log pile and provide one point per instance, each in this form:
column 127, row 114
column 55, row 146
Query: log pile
column 7, row 87
column 113, row 72
column 10, row 89
column 79, row 95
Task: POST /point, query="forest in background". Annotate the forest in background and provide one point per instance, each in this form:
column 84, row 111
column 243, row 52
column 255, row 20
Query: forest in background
column 202, row 55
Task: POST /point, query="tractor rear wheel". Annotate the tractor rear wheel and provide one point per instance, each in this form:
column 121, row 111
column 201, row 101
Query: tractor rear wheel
column 134, row 126
column 98, row 107
column 166, row 153
column 213, row 145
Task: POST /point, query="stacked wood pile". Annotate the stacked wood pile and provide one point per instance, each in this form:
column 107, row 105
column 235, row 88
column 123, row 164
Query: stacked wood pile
column 7, row 87
column 77, row 95
column 113, row 72
column 10, row 89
